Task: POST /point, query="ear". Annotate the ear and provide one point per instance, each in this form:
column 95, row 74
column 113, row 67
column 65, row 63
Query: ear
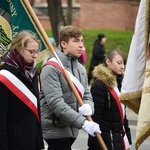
column 63, row 44
column 108, row 62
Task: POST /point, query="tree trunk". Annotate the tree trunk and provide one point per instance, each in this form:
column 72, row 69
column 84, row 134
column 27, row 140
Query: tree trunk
column 69, row 12
column 55, row 12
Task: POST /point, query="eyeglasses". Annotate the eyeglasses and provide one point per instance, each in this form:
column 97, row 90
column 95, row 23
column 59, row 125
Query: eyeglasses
column 32, row 51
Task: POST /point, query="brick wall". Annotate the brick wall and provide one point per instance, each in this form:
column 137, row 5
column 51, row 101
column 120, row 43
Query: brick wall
column 102, row 14
column 118, row 15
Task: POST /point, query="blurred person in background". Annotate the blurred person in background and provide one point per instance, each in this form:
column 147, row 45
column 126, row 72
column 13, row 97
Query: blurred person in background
column 83, row 57
column 98, row 54
column 52, row 41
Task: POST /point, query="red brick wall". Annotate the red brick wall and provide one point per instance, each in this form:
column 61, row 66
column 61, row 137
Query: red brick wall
column 119, row 15
column 102, row 14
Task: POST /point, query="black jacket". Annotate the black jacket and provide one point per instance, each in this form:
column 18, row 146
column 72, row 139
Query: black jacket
column 98, row 57
column 107, row 112
column 19, row 127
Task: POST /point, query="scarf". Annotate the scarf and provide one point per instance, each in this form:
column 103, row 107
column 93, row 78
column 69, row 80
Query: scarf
column 16, row 60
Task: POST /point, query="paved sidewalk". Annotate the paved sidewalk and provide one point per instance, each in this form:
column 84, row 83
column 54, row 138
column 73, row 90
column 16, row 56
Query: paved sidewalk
column 132, row 117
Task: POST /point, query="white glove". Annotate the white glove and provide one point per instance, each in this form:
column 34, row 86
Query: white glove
column 91, row 128
column 85, row 110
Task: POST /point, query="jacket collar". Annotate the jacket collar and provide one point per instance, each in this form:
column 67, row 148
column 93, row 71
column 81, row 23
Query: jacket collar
column 105, row 75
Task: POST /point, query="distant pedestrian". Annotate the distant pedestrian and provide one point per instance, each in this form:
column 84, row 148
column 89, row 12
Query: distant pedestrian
column 98, row 54
column 83, row 57
column 52, row 41
column 109, row 112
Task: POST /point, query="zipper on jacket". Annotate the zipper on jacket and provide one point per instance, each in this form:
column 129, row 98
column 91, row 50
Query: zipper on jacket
column 111, row 137
column 108, row 100
column 77, row 105
column 72, row 67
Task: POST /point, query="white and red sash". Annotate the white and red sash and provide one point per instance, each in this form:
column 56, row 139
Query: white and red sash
column 80, row 89
column 20, row 90
column 115, row 92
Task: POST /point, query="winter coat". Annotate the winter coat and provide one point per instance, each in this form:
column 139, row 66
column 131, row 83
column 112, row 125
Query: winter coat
column 107, row 113
column 59, row 107
column 19, row 126
column 98, row 54
column 98, row 57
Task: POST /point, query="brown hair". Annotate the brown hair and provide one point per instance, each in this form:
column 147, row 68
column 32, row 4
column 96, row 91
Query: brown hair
column 69, row 31
column 21, row 40
column 111, row 55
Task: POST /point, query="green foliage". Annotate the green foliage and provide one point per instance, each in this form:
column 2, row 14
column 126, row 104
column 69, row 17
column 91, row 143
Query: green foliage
column 115, row 40
column 49, row 33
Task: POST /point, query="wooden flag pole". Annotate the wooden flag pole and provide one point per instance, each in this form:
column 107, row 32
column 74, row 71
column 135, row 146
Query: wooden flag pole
column 49, row 45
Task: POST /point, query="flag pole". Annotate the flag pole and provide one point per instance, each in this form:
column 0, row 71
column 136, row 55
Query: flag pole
column 49, row 45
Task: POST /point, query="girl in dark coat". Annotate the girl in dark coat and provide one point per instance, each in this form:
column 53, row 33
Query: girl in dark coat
column 20, row 127
column 109, row 112
column 98, row 54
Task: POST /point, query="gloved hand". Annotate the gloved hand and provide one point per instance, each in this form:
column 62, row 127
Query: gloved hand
column 91, row 128
column 85, row 110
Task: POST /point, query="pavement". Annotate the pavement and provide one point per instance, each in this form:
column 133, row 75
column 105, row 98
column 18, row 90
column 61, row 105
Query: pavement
column 132, row 117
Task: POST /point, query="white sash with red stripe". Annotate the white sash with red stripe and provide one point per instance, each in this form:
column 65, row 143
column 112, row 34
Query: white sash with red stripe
column 19, row 89
column 53, row 61
column 115, row 92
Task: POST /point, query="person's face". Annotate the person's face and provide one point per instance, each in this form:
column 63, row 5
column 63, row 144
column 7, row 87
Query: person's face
column 31, row 51
column 103, row 40
column 116, row 65
column 74, row 46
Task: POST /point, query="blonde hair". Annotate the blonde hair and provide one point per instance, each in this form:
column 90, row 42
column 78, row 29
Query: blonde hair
column 21, row 40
